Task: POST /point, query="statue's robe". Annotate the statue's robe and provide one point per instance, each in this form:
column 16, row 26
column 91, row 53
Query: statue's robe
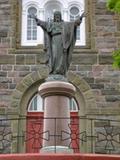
column 59, row 46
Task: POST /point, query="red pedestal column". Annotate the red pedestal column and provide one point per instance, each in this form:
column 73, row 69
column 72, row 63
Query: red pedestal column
column 56, row 95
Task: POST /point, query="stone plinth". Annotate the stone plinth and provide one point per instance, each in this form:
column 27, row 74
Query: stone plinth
column 56, row 95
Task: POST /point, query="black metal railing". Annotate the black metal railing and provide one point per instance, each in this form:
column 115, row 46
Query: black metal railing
column 86, row 135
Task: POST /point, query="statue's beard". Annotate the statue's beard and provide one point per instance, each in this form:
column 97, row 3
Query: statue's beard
column 57, row 19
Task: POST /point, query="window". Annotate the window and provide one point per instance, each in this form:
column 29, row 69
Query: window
column 50, row 7
column 32, row 35
column 31, row 24
column 36, row 104
column 74, row 14
column 73, row 105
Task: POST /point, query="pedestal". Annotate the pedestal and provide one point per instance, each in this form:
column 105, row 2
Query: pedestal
column 56, row 95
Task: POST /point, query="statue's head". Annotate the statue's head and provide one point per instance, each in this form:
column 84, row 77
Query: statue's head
column 57, row 16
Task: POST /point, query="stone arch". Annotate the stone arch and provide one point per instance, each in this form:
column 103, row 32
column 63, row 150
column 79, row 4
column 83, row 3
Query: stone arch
column 29, row 85
column 26, row 88
column 84, row 94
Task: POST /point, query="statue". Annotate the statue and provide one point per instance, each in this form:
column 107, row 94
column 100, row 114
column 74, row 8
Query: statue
column 61, row 37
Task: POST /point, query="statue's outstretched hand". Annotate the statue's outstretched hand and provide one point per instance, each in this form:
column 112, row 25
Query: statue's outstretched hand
column 32, row 16
column 84, row 14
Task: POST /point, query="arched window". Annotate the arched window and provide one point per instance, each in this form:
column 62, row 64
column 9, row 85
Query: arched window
column 73, row 105
column 31, row 24
column 36, row 104
column 50, row 8
column 74, row 14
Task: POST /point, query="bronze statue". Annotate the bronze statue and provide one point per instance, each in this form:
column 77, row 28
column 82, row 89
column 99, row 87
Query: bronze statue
column 61, row 37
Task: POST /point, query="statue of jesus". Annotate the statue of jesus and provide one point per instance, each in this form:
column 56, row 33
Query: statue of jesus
column 61, row 37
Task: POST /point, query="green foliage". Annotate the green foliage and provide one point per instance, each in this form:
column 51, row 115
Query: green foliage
column 116, row 58
column 113, row 5
column 117, row 7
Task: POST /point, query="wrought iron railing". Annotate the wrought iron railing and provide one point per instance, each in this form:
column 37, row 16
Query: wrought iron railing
column 86, row 135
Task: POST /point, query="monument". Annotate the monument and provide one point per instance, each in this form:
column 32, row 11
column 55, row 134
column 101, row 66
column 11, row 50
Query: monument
column 56, row 91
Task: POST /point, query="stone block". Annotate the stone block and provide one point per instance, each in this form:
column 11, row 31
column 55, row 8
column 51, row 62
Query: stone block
column 7, row 59
column 20, row 59
column 112, row 74
column 77, row 80
column 12, row 113
column 43, row 72
column 12, row 86
column 3, row 85
column 110, row 92
column 105, row 20
column 83, row 86
column 21, row 87
column 22, row 68
column 107, row 42
column 3, row 74
column 13, row 74
column 91, row 104
column 23, row 73
column 28, row 81
column 3, row 34
column 89, row 80
column 15, row 104
column 5, row 80
column 71, row 76
column 35, row 76
column 102, row 80
column 30, row 59
column 84, row 59
column 41, row 58
column 82, row 73
column 96, row 86
column 89, row 95
column 112, row 98
column 105, row 59
column 2, row 111
column 16, row 94
column 72, row 67
column 84, row 67
column 6, row 67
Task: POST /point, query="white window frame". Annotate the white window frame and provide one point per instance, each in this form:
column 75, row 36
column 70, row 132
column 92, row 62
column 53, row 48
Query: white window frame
column 72, row 102
column 40, row 6
column 39, row 104
column 80, row 6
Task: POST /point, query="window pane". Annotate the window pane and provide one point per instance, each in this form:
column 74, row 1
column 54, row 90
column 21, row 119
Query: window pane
column 50, row 8
column 74, row 11
column 36, row 104
column 73, row 105
column 72, row 18
column 74, row 14
column 28, row 35
column 32, row 10
column 31, row 25
column 34, row 35
column 78, row 33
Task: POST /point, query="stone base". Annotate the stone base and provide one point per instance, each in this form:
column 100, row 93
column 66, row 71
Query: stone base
column 56, row 149
column 56, row 77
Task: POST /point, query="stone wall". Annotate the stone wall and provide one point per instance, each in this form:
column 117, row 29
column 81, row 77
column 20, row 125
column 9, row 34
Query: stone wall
column 93, row 64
